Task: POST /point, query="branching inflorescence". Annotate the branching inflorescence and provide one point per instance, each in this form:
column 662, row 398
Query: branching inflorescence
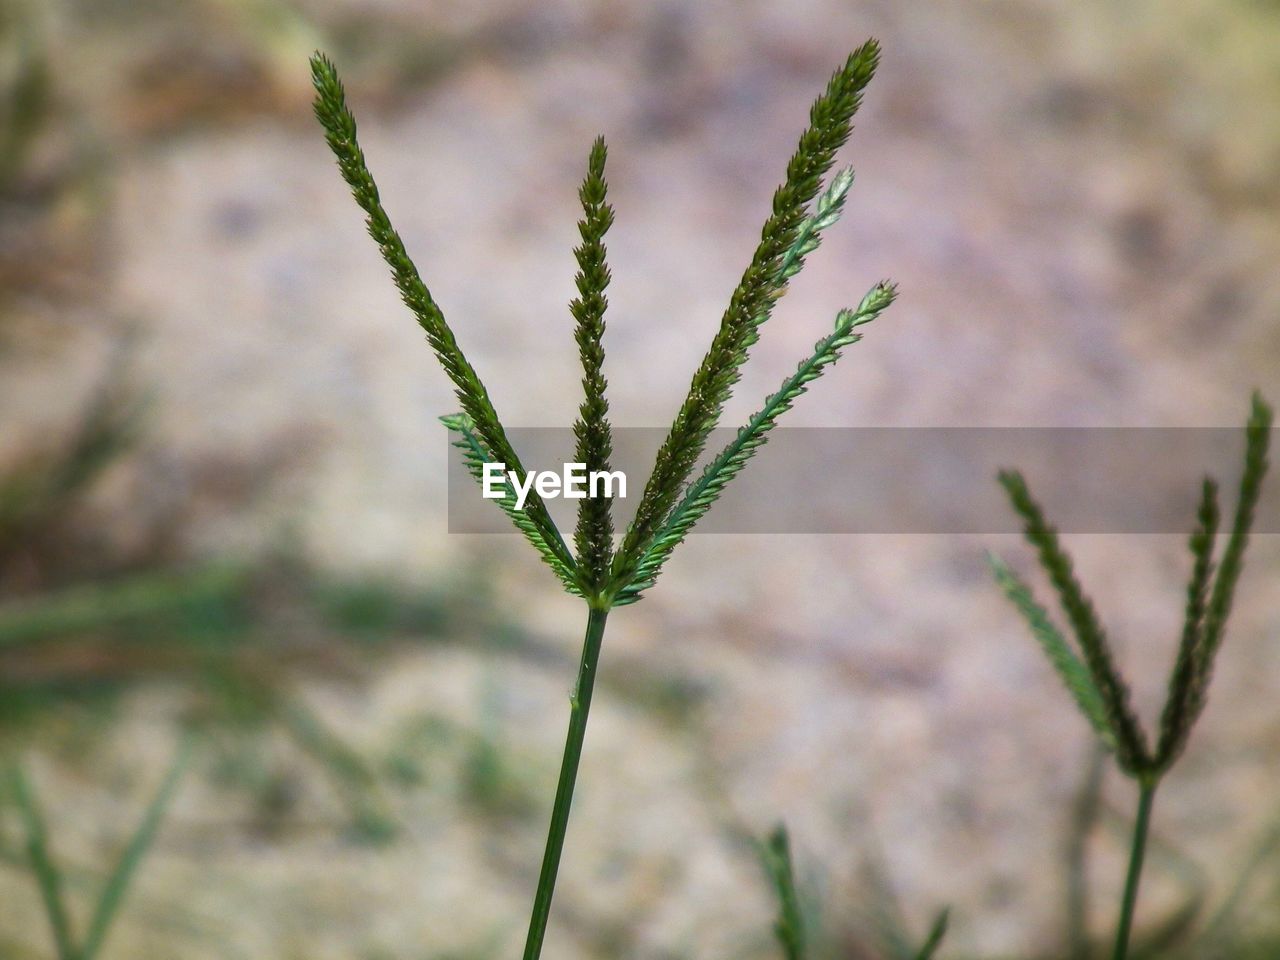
column 670, row 505
column 672, row 501
column 1088, row 670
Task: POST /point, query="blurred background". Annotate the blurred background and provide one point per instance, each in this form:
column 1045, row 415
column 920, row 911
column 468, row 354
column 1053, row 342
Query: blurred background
column 222, row 481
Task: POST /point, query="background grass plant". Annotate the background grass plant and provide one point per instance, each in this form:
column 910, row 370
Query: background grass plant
column 48, row 874
column 1088, row 668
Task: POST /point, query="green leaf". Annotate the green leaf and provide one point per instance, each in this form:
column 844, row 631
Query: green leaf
column 1074, row 674
column 700, row 495
column 94, row 606
column 475, row 455
column 936, row 933
column 117, row 885
column 371, row 817
column 775, row 853
column 48, row 877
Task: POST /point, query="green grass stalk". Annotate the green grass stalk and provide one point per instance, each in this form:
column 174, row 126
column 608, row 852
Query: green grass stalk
column 48, row 877
column 579, row 708
column 1141, row 827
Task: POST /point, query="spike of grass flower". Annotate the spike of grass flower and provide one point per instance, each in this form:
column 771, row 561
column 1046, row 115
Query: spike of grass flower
column 593, row 538
column 670, row 504
column 1090, row 674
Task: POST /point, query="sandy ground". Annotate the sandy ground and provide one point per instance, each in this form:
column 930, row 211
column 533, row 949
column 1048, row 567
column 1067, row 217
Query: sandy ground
column 1079, row 202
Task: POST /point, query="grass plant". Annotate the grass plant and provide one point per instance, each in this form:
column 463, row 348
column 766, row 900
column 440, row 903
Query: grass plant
column 1088, row 668
column 607, row 565
column 24, row 90
column 606, row 574
column 49, row 876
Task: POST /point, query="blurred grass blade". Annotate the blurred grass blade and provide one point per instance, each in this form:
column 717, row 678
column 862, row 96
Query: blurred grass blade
column 1075, row 675
column 789, row 927
column 1168, row 934
column 41, row 862
column 371, row 816
column 934, row 940
column 880, row 908
column 1086, row 810
column 1225, row 921
column 117, row 886
column 28, row 93
column 35, row 494
column 90, row 607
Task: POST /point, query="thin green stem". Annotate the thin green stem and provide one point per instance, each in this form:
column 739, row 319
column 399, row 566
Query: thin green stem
column 118, row 881
column 579, row 707
column 1084, row 816
column 48, row 877
column 1140, row 830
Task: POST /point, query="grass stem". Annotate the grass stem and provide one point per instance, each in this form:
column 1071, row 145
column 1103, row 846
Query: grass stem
column 1084, row 817
column 1138, row 850
column 579, row 707
column 48, row 877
